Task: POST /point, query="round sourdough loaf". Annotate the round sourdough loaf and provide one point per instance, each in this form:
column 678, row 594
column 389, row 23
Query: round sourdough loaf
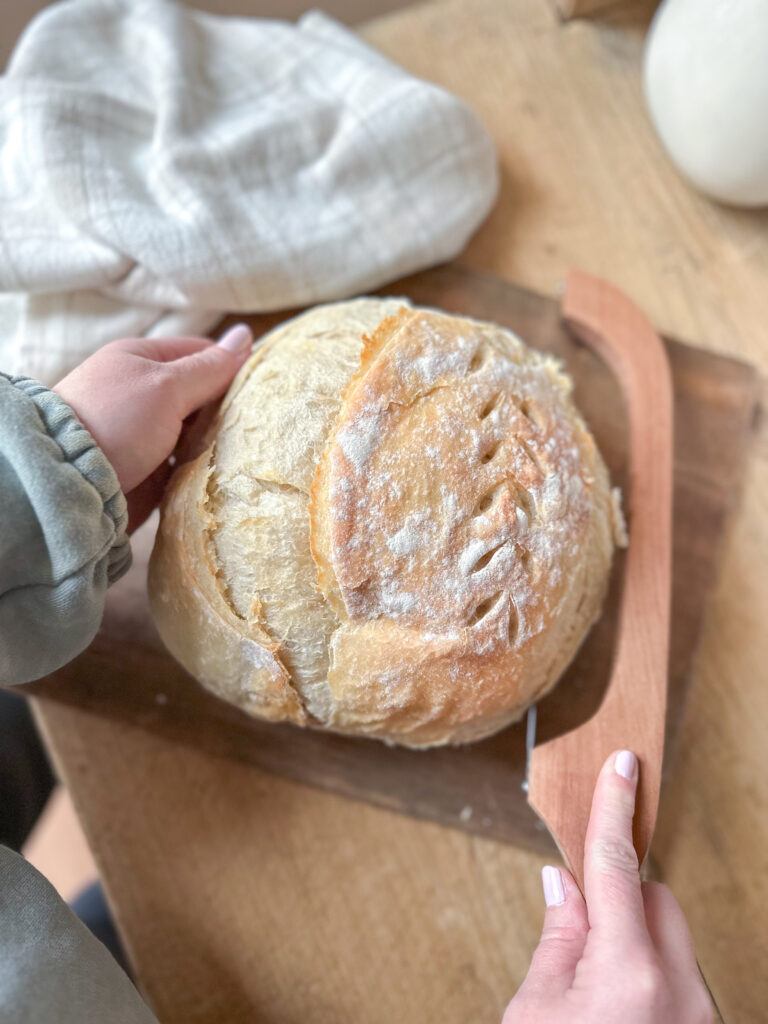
column 400, row 527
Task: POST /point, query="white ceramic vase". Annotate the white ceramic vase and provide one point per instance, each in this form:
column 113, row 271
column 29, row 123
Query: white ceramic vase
column 706, row 86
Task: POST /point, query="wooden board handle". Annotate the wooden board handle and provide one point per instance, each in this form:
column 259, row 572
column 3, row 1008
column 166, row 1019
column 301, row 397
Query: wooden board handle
column 632, row 714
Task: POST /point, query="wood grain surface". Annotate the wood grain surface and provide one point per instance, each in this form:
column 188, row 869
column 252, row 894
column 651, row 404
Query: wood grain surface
column 128, row 674
column 244, row 897
column 563, row 771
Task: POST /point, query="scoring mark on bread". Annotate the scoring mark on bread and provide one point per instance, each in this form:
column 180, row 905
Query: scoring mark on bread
column 482, row 609
column 479, row 357
column 514, row 623
column 523, row 499
column 484, row 559
column 531, row 413
column 487, row 500
column 525, row 557
column 532, row 456
column 490, row 451
column 489, row 605
column 520, row 495
column 493, row 402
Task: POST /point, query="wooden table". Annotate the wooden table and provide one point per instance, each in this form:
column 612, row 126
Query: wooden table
column 246, row 898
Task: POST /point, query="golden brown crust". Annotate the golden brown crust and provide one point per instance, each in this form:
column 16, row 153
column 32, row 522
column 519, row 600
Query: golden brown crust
column 459, row 518
column 450, row 514
column 238, row 660
column 320, row 533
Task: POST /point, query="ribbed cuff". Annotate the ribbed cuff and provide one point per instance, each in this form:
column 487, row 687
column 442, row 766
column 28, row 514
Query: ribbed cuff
column 82, row 452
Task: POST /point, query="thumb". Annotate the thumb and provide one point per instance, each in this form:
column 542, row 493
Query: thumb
column 563, row 936
column 203, row 376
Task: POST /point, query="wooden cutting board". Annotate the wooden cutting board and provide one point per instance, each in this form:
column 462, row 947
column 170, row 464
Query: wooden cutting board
column 127, row 674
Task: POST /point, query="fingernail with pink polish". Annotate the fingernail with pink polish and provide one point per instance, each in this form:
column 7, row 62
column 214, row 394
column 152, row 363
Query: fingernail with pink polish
column 626, row 764
column 237, row 339
column 552, row 883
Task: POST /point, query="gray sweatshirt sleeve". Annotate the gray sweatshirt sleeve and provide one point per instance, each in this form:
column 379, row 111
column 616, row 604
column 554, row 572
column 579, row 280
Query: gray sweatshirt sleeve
column 52, row 970
column 62, row 542
column 63, row 535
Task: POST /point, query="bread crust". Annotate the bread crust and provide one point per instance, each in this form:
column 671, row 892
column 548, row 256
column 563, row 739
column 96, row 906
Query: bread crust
column 449, row 516
column 237, row 660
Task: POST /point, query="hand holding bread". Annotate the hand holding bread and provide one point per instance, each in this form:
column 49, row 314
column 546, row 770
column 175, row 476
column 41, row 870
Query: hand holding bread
column 134, row 394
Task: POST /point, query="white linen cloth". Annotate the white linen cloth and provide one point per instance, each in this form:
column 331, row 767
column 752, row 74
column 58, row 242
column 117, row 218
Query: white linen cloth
column 160, row 166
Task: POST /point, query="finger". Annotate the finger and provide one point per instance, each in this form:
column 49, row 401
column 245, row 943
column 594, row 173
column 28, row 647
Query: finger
column 194, row 433
column 201, row 377
column 563, row 936
column 668, row 928
column 145, row 498
column 163, row 350
column 611, row 874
